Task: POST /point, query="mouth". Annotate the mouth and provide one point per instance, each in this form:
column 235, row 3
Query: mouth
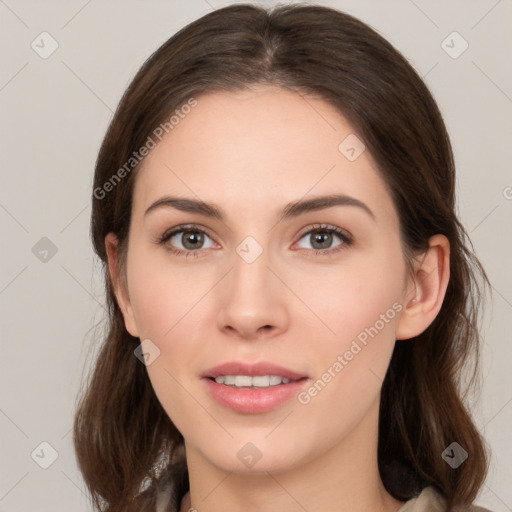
column 253, row 388
column 263, row 373
column 253, row 382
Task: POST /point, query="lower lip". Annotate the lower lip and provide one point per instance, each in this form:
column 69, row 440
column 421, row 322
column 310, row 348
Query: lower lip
column 254, row 401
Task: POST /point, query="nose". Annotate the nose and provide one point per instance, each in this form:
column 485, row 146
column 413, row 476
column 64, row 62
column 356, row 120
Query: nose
column 252, row 302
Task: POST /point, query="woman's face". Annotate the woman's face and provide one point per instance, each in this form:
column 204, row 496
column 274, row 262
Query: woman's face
column 259, row 284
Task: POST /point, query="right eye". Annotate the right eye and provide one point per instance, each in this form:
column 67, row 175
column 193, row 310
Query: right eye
column 190, row 237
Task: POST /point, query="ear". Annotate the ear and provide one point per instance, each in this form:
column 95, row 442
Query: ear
column 423, row 300
column 119, row 284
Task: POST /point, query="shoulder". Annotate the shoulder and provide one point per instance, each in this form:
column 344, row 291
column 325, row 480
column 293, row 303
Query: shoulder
column 431, row 500
column 166, row 492
column 172, row 485
column 475, row 508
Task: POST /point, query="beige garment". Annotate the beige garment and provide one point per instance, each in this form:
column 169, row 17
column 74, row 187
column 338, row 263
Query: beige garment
column 429, row 500
column 172, row 487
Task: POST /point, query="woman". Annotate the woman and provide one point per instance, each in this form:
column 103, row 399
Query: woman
column 290, row 292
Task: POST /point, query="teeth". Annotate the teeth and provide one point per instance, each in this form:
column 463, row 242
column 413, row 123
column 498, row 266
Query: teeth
column 259, row 381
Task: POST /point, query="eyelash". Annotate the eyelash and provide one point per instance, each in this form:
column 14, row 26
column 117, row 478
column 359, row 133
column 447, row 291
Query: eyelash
column 343, row 235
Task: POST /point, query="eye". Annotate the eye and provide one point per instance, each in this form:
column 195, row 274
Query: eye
column 185, row 240
column 189, row 240
column 321, row 239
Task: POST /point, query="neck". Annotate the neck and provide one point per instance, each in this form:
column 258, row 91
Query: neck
column 344, row 478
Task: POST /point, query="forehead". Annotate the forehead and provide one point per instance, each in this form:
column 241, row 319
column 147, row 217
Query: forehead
column 265, row 146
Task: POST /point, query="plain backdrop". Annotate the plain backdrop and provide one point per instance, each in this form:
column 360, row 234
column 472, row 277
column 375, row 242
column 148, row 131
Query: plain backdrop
column 54, row 110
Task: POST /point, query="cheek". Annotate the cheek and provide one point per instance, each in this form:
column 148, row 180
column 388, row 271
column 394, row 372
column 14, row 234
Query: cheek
column 163, row 307
column 158, row 301
column 359, row 303
column 360, row 308
column 351, row 299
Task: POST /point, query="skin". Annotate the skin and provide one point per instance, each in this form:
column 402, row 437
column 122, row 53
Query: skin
column 251, row 153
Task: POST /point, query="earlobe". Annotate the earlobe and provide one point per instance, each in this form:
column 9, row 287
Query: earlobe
column 118, row 283
column 423, row 301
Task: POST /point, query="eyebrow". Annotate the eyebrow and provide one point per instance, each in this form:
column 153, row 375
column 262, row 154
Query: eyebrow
column 293, row 209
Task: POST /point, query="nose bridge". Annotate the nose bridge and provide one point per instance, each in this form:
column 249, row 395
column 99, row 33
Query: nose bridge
column 250, row 275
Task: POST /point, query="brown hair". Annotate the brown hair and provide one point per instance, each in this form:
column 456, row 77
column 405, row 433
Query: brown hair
column 121, row 430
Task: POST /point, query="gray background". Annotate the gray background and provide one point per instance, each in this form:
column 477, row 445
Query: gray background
column 54, row 112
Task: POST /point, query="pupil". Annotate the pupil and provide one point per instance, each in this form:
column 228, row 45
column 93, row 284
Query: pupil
column 194, row 238
column 325, row 236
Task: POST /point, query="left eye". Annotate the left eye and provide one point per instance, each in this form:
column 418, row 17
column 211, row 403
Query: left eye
column 322, row 238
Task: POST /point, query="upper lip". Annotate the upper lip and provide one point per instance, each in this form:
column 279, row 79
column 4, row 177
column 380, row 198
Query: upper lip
column 252, row 370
